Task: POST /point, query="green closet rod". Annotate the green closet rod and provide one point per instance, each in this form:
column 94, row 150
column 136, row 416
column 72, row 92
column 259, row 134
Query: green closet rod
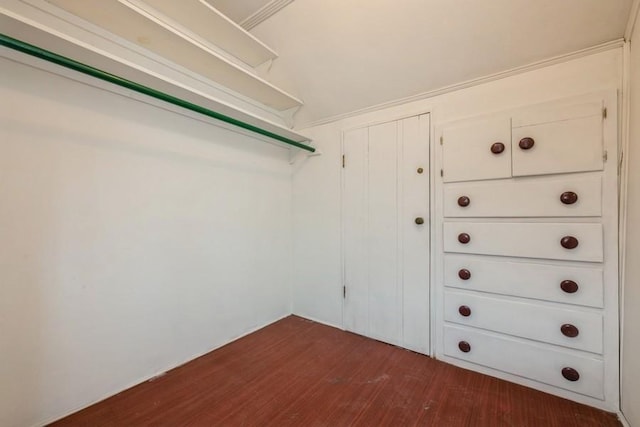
column 103, row 75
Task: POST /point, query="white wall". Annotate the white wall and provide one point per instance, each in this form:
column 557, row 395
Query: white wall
column 316, row 182
column 132, row 239
column 631, row 320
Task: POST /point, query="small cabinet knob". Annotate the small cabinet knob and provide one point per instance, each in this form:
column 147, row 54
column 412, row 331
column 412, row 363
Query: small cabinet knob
column 568, row 197
column 464, row 201
column 569, row 242
column 497, row 147
column 464, row 238
column 464, row 311
column 464, row 274
column 419, row 220
column 526, row 143
column 570, row 374
column 568, row 330
column 464, row 346
column 420, row 170
column 569, row 286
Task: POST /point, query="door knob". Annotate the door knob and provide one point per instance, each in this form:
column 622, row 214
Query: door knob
column 497, row 147
column 569, row 242
column 463, row 201
column 568, row 197
column 464, row 238
column 526, row 143
column 570, row 374
column 568, row 330
column 569, row 286
column 419, row 220
column 464, row 346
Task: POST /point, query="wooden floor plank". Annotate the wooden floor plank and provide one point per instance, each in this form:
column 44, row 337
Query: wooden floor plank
column 296, row 372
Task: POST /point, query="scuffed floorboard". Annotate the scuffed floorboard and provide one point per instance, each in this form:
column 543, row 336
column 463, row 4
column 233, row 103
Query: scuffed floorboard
column 300, row 373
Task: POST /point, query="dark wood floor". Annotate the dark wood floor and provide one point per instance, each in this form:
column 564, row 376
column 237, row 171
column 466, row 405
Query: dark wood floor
column 300, row 373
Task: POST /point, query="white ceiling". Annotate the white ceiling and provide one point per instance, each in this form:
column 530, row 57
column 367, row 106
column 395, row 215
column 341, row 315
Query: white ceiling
column 341, row 56
column 238, row 10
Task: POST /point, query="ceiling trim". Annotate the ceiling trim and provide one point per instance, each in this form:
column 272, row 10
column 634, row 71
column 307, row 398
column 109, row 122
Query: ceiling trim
column 264, row 13
column 614, row 44
column 633, row 18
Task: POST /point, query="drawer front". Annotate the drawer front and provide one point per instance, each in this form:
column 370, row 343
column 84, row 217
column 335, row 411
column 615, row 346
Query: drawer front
column 567, row 139
column 467, row 150
column 573, row 196
column 526, row 319
column 530, row 240
column 571, row 285
column 526, row 359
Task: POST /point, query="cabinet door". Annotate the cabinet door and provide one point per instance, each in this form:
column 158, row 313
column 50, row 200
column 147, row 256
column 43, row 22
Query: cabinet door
column 558, row 140
column 477, row 150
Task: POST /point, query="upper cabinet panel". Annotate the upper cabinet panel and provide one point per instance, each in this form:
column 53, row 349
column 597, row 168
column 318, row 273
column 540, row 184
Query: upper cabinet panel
column 477, row 150
column 558, row 140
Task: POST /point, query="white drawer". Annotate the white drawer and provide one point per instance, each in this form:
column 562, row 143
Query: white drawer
column 566, row 139
column 571, row 285
column 529, row 240
column 526, row 197
column 531, row 360
column 526, row 319
column 466, row 150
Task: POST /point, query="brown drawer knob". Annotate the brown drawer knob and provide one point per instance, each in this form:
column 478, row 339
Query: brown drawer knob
column 463, row 201
column 568, row 197
column 464, row 238
column 420, row 170
column 526, row 143
column 569, row 242
column 464, row 274
column 464, row 311
column 419, row 220
column 464, row 346
column 569, row 286
column 570, row 374
column 568, row 330
column 497, row 147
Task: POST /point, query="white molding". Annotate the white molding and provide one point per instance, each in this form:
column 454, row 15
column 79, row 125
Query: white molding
column 633, row 18
column 624, row 172
column 264, row 13
column 623, row 419
column 614, row 44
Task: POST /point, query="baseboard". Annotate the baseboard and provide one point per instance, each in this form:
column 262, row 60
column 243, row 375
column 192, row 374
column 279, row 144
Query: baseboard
column 313, row 319
column 623, row 420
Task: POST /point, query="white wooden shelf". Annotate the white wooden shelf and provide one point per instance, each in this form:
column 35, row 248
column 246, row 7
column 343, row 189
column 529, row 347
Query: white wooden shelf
column 47, row 32
column 204, row 20
column 130, row 22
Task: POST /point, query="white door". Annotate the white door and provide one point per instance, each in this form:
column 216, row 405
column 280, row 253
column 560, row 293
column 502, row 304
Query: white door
column 386, row 232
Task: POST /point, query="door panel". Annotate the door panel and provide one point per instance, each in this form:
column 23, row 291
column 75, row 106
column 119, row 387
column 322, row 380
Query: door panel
column 466, row 150
column 384, row 308
column 356, row 318
column 386, row 254
column 415, row 237
column 570, row 140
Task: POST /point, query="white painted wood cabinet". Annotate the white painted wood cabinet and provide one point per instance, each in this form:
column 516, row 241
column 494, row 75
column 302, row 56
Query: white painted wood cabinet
column 526, row 226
